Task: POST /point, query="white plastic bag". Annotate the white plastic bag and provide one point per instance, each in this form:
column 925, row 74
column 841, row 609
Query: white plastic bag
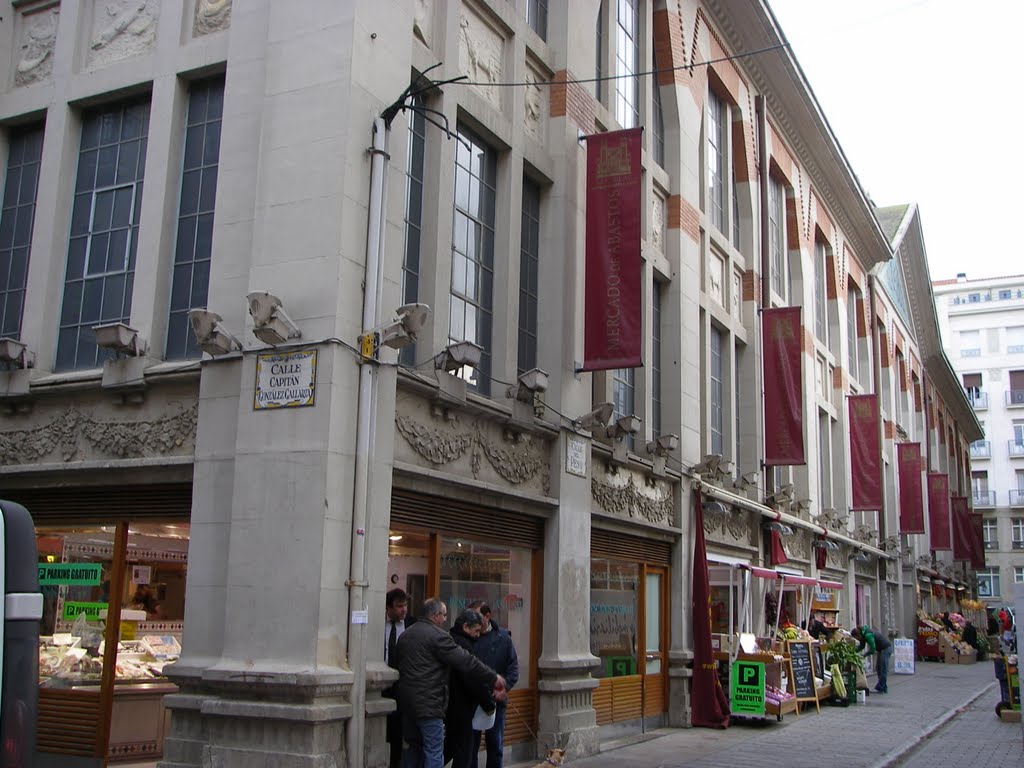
column 481, row 720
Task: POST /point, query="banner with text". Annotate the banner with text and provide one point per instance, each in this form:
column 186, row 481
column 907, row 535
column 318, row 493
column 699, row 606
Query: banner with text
column 938, row 510
column 908, row 457
column 865, row 453
column 783, row 391
column 613, row 313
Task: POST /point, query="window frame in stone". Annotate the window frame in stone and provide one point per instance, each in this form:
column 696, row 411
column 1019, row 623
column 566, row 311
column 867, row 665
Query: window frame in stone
column 627, row 63
column 624, row 396
column 716, row 148
column 76, row 344
column 476, row 304
column 17, row 222
column 716, row 390
column 656, row 352
column 193, row 253
column 529, row 277
column 778, row 251
column 991, row 577
column 537, row 17
column 415, row 162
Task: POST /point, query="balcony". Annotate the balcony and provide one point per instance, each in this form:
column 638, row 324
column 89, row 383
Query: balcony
column 1018, row 544
column 1015, row 449
column 991, row 545
column 978, row 400
column 1017, row 498
column 984, row 498
column 982, row 449
column 1015, row 398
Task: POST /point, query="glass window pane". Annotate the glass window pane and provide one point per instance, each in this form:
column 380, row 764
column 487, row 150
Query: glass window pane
column 614, row 592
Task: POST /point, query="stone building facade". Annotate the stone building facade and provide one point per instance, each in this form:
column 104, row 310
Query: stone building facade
column 172, row 155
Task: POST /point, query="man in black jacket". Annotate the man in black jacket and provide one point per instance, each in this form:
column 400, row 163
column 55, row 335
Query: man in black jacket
column 395, row 624
column 426, row 654
column 460, row 740
column 495, row 649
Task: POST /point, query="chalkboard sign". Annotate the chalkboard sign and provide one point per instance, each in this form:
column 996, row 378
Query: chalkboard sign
column 802, row 671
column 819, row 662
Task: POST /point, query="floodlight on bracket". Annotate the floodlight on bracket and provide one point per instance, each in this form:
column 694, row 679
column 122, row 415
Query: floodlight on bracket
column 211, row 336
column 17, row 352
column 399, row 333
column 271, row 324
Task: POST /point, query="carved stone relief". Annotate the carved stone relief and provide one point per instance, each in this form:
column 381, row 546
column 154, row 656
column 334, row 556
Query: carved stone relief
column 480, row 54
column 121, row 29
column 835, row 558
column 627, row 499
column 865, row 568
column 517, row 462
column 799, row 544
column 535, row 104
column 716, row 271
column 658, row 223
column 36, row 35
column 211, row 16
column 731, row 526
column 423, row 20
column 737, row 295
column 121, row 439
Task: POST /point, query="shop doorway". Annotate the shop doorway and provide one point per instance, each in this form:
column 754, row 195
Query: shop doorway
column 629, row 633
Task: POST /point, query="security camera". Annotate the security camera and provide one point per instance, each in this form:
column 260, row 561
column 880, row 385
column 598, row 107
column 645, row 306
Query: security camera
column 211, row 336
column 599, row 417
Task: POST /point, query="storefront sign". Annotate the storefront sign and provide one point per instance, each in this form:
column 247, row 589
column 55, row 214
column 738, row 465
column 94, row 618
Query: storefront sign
column 903, row 656
column 576, row 456
column 285, row 380
column 72, row 574
column 746, row 688
column 92, row 611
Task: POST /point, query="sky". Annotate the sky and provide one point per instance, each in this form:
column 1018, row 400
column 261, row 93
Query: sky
column 924, row 98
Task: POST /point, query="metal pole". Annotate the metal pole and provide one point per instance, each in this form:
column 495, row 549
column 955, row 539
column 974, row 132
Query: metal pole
column 365, row 438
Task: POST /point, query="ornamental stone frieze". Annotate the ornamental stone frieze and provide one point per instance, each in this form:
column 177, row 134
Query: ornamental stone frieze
column 518, row 459
column 121, row 29
column 36, row 26
column 481, row 49
column 835, row 559
column 730, row 525
column 799, row 544
column 66, row 435
column 865, row 567
column 627, row 499
column 211, row 16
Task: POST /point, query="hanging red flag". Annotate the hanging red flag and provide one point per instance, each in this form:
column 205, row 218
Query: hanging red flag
column 783, row 386
column 908, row 457
column 865, row 452
column 709, row 706
column 778, row 553
column 961, row 535
column 938, row 510
column 613, row 315
column 975, row 528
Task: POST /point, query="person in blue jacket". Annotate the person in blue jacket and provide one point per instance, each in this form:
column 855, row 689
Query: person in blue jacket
column 495, row 649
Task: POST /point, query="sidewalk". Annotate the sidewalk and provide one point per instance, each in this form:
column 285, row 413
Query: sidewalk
column 876, row 734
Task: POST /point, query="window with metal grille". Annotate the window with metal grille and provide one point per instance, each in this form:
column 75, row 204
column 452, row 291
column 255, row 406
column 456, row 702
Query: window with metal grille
column 529, row 264
column 192, row 254
column 414, row 161
column 104, row 230
column 627, row 61
column 472, row 284
column 17, row 215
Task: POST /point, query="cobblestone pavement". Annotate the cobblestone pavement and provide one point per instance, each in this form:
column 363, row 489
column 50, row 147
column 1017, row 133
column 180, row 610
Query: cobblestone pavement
column 953, row 704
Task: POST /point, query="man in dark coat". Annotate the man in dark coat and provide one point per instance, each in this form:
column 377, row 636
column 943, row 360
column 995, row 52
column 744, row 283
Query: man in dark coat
column 426, row 654
column 495, row 649
column 395, row 623
column 466, row 695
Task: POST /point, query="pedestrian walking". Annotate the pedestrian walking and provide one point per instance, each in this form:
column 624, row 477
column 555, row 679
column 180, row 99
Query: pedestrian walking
column 877, row 643
column 425, row 655
column 494, row 648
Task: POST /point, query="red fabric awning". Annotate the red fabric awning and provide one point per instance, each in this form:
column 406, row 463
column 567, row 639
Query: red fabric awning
column 764, row 573
column 824, row 584
column 801, row 580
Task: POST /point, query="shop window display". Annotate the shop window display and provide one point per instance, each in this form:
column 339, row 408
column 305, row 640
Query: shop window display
column 76, row 572
column 614, row 599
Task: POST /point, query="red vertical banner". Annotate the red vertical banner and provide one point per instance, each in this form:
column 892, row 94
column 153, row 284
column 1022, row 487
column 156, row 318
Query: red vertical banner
column 865, row 452
column 782, row 338
column 613, row 317
column 709, row 706
column 908, row 459
column 975, row 529
column 777, row 553
column 938, row 510
column 961, row 535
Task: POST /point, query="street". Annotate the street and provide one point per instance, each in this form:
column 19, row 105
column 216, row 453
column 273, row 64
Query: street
column 943, row 714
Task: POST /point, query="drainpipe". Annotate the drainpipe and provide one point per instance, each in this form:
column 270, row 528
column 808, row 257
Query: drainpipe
column 365, row 440
column 761, row 110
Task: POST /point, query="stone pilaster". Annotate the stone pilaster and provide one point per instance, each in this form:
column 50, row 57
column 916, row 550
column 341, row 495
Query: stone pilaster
column 566, row 711
column 680, row 688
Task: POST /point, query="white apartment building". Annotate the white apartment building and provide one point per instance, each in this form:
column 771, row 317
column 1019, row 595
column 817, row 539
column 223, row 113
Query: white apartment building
column 982, row 323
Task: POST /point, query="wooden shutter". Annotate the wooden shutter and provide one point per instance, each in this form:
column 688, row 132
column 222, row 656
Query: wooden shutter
column 104, row 503
column 463, row 518
column 622, row 546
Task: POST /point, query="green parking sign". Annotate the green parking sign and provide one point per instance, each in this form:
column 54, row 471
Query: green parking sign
column 746, row 688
